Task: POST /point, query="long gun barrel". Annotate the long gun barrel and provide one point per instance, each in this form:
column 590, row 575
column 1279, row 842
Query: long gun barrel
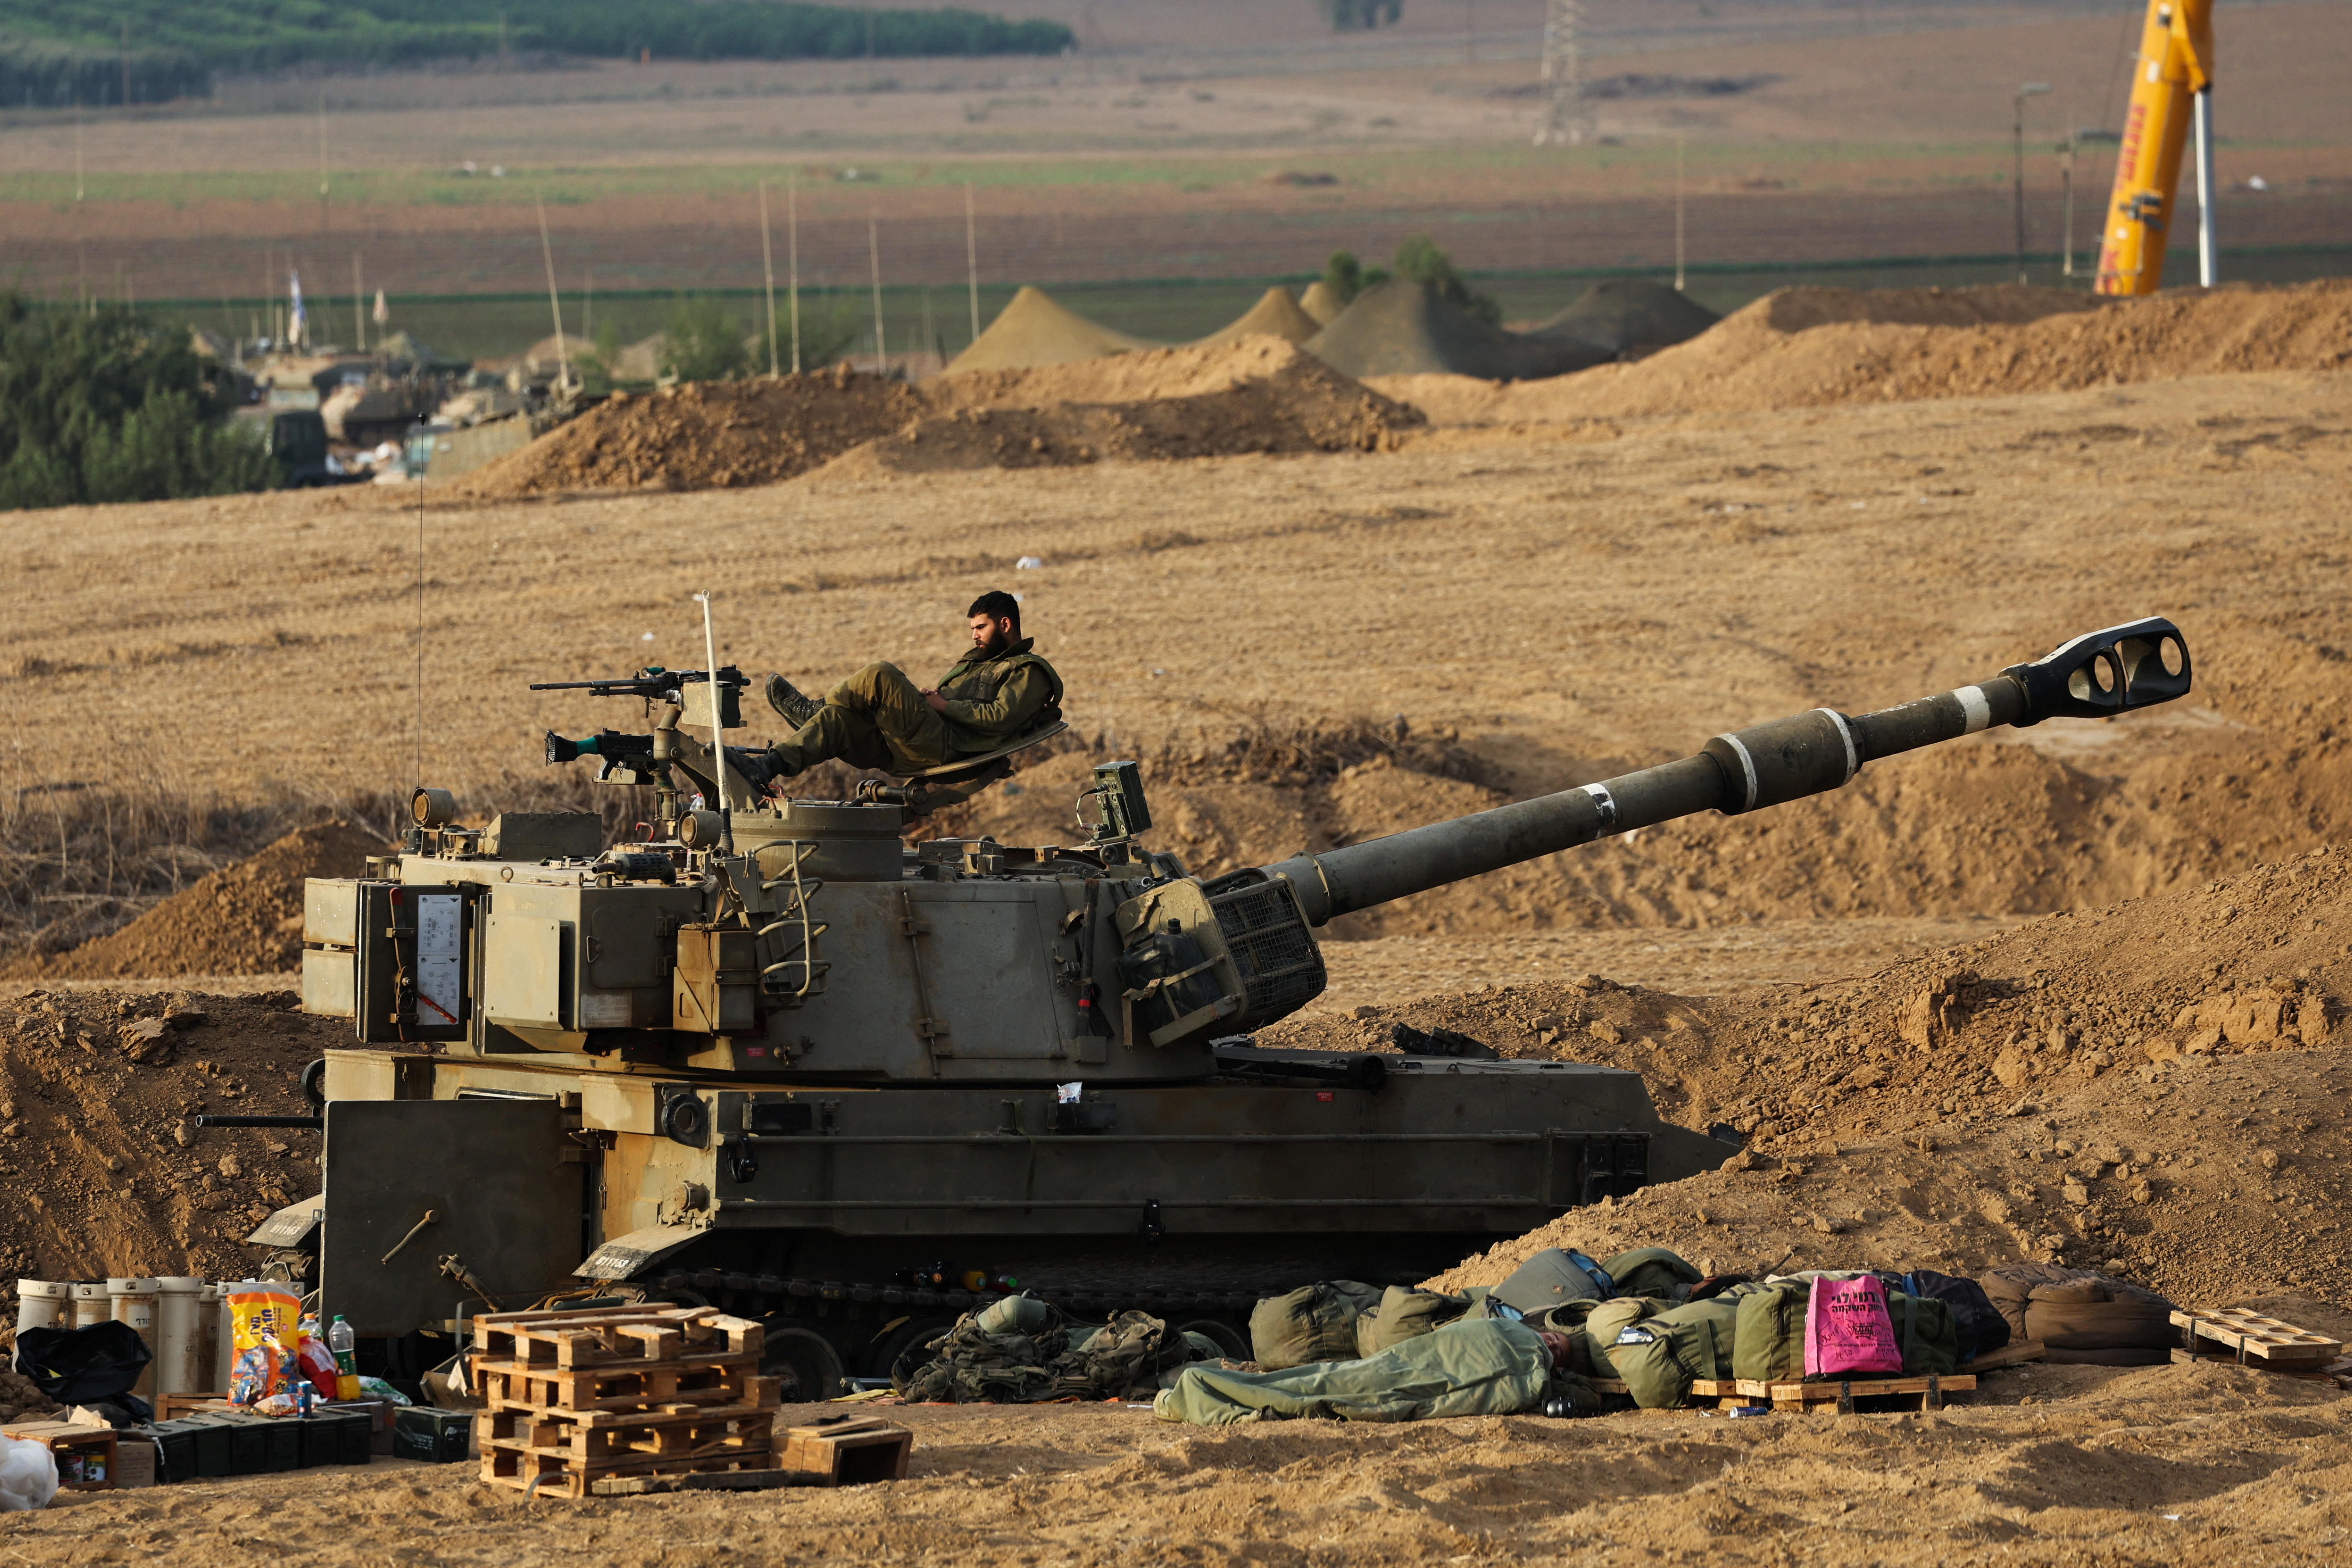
column 2096, row 676
column 647, row 683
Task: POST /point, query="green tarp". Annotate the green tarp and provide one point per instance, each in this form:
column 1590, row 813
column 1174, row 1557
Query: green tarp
column 1483, row 1367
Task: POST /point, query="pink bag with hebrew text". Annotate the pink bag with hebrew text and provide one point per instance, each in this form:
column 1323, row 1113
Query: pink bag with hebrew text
column 1848, row 1331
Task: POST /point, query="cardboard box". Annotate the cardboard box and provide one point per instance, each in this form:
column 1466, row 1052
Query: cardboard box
column 134, row 1460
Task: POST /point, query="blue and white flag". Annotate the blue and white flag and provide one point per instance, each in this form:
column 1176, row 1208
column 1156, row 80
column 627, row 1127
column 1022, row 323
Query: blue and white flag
column 294, row 321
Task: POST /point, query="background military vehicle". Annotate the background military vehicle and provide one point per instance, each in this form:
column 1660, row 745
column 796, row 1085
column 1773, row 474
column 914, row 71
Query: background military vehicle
column 777, row 1058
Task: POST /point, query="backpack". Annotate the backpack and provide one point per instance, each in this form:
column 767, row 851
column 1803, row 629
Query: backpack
column 1659, row 1356
column 1604, row 1322
column 1848, row 1330
column 1925, row 1333
column 1651, row 1271
column 1404, row 1314
column 1313, row 1323
column 1978, row 1325
column 970, row 1365
column 1769, row 1346
column 1552, row 1276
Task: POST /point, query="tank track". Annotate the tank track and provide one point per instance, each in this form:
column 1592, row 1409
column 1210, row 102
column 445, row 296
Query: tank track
column 827, row 1298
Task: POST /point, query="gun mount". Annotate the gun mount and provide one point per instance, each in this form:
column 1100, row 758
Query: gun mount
column 788, row 1062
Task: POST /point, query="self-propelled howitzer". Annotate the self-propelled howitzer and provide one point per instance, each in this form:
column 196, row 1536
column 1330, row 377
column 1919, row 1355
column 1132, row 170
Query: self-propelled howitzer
column 783, row 1061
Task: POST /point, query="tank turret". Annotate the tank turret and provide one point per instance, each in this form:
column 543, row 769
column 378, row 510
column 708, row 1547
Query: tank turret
column 772, row 1055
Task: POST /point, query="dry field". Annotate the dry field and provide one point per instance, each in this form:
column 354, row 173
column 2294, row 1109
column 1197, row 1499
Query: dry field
column 2066, row 1464
column 1893, row 143
column 1543, row 600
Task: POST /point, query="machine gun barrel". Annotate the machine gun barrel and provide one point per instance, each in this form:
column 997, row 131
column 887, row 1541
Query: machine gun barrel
column 2095, row 675
column 654, row 682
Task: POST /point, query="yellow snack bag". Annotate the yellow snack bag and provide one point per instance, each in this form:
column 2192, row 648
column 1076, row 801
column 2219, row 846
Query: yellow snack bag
column 266, row 1322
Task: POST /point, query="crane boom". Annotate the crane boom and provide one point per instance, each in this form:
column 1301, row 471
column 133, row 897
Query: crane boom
column 2172, row 84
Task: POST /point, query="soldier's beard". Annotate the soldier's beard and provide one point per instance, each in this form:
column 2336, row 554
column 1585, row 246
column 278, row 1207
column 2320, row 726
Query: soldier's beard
column 997, row 642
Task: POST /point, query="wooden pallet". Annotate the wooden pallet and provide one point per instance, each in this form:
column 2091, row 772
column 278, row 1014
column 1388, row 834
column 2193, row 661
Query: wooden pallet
column 705, row 1482
column 599, row 1336
column 2254, row 1337
column 621, row 1386
column 688, row 1432
column 1824, row 1394
column 2314, row 1374
column 541, row 1472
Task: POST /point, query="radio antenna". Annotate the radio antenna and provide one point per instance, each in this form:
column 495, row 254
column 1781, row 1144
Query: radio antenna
column 718, row 735
column 419, row 781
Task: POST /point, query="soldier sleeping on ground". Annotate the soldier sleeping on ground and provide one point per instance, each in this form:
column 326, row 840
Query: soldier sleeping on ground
column 998, row 692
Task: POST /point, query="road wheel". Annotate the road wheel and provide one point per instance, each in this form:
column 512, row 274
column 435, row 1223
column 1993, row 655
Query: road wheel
column 883, row 1359
column 804, row 1360
column 1236, row 1344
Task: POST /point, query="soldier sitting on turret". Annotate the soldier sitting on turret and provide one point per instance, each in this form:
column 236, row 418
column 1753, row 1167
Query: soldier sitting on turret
column 878, row 718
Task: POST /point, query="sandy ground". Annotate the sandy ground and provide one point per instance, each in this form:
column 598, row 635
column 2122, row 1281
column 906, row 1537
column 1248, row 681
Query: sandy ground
column 2145, row 1075
column 2042, row 1465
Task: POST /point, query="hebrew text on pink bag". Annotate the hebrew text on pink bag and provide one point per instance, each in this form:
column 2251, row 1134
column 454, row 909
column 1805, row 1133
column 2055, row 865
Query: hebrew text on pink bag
column 1848, row 1330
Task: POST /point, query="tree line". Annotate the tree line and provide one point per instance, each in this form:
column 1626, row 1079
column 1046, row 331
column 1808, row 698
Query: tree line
column 53, row 52
column 111, row 405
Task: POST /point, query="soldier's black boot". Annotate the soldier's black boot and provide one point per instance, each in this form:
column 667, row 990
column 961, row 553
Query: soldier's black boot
column 789, row 703
column 760, row 769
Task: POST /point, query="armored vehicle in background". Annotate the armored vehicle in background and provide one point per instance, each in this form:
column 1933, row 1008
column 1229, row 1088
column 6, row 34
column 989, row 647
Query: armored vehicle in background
column 776, row 1058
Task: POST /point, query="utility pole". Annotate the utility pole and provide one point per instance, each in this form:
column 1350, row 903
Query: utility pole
column 1565, row 121
column 358, row 310
column 554, row 306
column 2066, row 197
column 971, row 259
column 873, row 256
column 126, row 67
column 768, row 259
column 323, row 224
column 793, row 244
column 2030, row 89
column 1678, row 212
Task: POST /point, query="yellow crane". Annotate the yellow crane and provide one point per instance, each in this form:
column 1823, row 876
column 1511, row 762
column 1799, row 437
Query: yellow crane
column 2173, row 86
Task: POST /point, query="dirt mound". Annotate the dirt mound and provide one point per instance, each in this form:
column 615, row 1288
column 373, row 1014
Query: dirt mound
column 1258, row 395
column 1402, row 328
column 1813, row 347
column 1990, row 304
column 1321, row 303
column 109, row 1176
column 245, row 918
column 1630, row 316
column 706, row 436
column 2150, row 1083
column 1034, row 328
column 1275, row 315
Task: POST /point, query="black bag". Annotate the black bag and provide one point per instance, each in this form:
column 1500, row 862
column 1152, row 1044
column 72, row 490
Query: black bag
column 1981, row 1327
column 85, row 1365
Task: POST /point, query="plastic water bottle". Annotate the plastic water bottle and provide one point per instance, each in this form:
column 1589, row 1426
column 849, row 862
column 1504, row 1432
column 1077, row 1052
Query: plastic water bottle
column 344, row 1343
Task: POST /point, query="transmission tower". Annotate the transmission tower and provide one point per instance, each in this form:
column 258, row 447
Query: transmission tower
column 1565, row 121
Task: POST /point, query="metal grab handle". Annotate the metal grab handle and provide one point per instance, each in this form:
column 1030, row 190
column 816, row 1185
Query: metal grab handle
column 430, row 1215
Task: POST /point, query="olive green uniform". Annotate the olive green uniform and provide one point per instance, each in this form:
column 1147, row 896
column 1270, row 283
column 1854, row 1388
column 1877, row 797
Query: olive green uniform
column 877, row 718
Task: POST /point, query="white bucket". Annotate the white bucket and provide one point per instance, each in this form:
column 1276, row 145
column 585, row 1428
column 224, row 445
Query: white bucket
column 211, row 1335
column 132, row 1301
column 92, row 1304
column 179, row 1366
column 43, row 1304
column 224, row 1347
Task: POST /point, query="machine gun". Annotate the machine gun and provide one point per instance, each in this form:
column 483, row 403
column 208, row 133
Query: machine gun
column 687, row 692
